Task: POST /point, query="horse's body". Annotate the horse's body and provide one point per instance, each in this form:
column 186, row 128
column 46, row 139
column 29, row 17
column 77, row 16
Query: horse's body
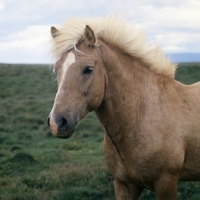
column 151, row 121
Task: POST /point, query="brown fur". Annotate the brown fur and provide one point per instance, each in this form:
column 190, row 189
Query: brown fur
column 89, row 36
column 151, row 121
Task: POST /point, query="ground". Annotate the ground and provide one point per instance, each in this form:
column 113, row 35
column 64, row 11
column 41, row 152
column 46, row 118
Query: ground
column 36, row 165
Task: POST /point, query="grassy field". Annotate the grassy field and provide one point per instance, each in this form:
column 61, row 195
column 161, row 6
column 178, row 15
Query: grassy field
column 34, row 165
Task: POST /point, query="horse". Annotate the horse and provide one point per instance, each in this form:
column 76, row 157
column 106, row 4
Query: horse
column 151, row 121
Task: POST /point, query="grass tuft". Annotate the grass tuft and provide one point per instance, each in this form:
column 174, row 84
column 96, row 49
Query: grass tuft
column 22, row 157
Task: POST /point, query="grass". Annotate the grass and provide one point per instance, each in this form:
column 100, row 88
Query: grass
column 34, row 164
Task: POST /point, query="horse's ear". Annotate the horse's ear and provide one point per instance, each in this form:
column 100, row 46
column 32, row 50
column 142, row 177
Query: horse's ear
column 89, row 36
column 54, row 32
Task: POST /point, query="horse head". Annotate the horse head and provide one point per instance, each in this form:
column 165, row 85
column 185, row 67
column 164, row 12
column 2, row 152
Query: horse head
column 80, row 77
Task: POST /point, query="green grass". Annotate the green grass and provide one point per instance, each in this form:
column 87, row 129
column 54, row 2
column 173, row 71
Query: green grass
column 188, row 73
column 34, row 164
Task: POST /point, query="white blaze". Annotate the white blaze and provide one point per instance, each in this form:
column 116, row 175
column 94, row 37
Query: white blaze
column 68, row 62
column 66, row 65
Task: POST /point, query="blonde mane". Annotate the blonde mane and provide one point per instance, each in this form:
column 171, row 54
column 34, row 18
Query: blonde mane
column 117, row 32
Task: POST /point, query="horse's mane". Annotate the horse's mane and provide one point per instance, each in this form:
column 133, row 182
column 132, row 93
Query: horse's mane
column 117, row 32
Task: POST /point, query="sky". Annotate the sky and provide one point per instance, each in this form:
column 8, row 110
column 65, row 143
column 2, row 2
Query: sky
column 25, row 24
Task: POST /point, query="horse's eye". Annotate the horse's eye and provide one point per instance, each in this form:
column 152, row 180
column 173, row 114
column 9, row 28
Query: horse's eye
column 88, row 70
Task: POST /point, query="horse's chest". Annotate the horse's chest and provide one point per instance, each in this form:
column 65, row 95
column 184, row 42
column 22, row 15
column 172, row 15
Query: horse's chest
column 117, row 164
column 113, row 157
column 123, row 168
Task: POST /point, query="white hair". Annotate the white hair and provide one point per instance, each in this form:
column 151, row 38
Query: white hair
column 116, row 31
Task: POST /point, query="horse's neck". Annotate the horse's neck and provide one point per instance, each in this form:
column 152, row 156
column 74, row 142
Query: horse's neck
column 130, row 89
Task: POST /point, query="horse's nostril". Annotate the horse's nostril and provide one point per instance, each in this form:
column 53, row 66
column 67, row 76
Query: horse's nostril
column 58, row 121
column 48, row 121
column 63, row 124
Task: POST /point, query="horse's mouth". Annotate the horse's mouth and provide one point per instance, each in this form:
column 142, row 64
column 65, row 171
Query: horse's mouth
column 65, row 135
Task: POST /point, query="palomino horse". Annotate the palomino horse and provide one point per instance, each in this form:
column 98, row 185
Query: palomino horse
column 151, row 121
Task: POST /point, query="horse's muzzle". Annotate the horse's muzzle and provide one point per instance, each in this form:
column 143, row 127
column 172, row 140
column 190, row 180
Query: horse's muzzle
column 60, row 126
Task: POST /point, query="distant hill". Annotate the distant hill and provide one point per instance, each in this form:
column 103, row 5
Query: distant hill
column 184, row 57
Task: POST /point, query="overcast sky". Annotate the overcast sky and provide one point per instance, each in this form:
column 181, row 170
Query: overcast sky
column 25, row 24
